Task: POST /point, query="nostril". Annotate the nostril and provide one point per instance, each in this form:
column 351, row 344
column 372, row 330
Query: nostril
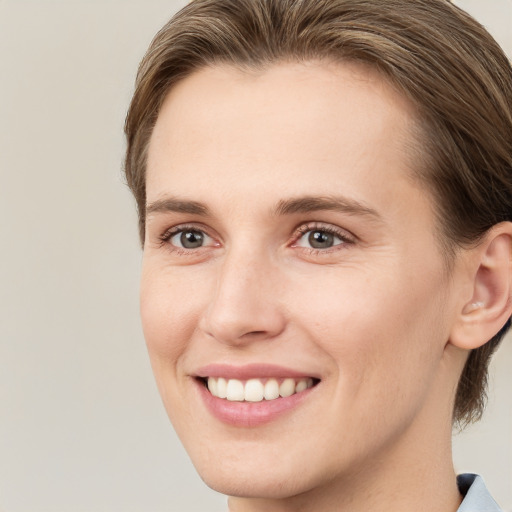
column 255, row 333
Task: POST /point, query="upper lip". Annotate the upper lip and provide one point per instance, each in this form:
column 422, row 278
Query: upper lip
column 249, row 371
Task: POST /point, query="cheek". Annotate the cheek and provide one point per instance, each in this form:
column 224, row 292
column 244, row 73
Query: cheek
column 384, row 335
column 168, row 321
column 168, row 316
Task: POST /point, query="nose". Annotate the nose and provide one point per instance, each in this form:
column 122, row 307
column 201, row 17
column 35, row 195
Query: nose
column 245, row 304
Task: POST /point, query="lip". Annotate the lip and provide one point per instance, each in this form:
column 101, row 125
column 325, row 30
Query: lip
column 249, row 414
column 250, row 371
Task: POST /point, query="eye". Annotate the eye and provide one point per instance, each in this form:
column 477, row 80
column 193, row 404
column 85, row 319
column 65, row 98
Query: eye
column 189, row 239
column 320, row 238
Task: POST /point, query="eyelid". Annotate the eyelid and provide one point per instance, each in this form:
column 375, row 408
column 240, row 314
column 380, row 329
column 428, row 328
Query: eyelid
column 345, row 236
column 205, row 239
column 165, row 237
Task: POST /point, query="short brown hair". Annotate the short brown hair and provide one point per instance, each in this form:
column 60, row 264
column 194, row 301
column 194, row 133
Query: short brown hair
column 439, row 57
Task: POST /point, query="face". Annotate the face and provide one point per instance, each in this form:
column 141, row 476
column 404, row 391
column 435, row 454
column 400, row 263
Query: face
column 291, row 261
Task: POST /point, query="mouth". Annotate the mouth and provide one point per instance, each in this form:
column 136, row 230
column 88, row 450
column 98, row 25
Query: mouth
column 255, row 394
column 256, row 389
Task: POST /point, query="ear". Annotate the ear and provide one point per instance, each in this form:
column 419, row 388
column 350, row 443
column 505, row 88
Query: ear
column 490, row 305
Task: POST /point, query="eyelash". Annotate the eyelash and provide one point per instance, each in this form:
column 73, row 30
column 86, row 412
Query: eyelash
column 345, row 237
column 165, row 238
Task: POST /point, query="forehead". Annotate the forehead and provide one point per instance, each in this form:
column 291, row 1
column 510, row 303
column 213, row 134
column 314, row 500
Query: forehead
column 335, row 125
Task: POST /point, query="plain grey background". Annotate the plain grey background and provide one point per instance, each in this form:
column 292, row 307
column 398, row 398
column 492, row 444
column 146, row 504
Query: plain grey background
column 81, row 424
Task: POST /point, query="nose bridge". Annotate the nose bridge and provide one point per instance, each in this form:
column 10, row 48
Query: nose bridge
column 244, row 303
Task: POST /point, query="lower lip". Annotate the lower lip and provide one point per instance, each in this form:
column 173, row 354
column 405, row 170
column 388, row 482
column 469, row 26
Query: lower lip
column 250, row 414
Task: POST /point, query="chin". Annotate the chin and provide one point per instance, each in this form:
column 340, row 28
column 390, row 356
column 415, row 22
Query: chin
column 256, row 483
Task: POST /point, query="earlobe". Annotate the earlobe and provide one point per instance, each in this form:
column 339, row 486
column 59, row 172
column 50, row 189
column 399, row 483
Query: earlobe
column 490, row 306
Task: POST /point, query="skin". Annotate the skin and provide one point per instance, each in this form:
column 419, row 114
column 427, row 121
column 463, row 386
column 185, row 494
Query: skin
column 370, row 316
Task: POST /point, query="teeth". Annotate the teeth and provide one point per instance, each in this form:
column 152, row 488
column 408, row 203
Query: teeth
column 253, row 390
column 221, row 388
column 256, row 390
column 271, row 389
column 212, row 386
column 235, row 391
column 287, row 388
column 301, row 386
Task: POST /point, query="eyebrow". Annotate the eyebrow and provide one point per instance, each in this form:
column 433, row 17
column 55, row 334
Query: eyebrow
column 305, row 204
column 341, row 204
column 171, row 204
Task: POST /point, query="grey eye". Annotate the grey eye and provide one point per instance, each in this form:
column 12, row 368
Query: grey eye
column 189, row 239
column 320, row 239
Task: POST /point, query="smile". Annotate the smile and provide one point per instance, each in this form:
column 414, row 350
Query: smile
column 255, row 394
column 256, row 389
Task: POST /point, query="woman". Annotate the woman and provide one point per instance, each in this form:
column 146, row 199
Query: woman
column 325, row 201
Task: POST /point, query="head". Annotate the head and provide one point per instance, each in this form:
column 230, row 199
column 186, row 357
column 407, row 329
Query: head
column 422, row 70
column 438, row 57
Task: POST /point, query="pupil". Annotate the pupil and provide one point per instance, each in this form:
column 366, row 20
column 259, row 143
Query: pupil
column 320, row 239
column 191, row 239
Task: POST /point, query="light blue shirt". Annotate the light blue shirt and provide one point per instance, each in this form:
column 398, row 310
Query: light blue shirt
column 476, row 495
